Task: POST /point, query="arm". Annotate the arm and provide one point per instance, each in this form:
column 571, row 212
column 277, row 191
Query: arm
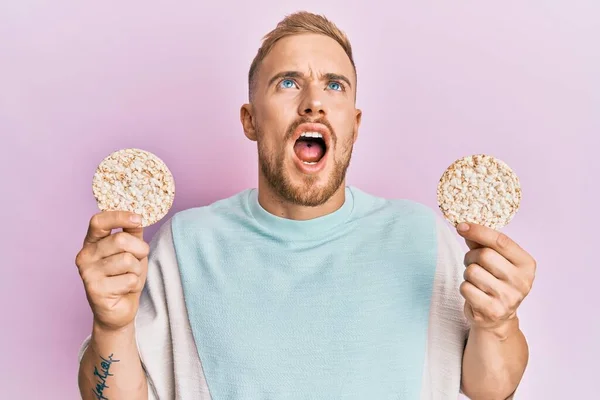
column 494, row 362
column 499, row 274
column 113, row 271
column 111, row 367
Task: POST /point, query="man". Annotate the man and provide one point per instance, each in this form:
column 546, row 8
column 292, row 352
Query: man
column 303, row 288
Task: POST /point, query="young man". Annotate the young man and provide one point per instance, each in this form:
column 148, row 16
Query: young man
column 303, row 288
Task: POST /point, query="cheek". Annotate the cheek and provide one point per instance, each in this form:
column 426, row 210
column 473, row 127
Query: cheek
column 279, row 108
column 269, row 140
column 344, row 124
column 274, row 120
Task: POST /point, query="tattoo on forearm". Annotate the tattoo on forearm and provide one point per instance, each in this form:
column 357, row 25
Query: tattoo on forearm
column 102, row 376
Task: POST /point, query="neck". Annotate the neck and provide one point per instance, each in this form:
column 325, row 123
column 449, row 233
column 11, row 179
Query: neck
column 273, row 203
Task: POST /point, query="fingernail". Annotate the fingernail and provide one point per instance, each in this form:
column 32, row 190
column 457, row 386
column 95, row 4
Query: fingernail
column 136, row 219
column 463, row 227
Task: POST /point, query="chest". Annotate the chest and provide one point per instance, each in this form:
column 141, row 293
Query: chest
column 342, row 315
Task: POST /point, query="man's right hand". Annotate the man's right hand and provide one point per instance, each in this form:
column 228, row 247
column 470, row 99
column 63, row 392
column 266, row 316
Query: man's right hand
column 113, row 268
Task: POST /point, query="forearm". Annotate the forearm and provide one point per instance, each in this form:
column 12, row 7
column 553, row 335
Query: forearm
column 494, row 362
column 111, row 368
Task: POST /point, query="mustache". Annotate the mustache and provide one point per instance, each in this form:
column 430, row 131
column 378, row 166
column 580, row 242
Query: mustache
column 323, row 121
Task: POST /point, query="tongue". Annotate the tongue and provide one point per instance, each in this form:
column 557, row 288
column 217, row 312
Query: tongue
column 309, row 151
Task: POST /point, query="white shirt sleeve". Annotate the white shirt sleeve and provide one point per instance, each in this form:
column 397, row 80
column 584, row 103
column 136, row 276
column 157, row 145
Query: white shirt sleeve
column 163, row 334
column 448, row 326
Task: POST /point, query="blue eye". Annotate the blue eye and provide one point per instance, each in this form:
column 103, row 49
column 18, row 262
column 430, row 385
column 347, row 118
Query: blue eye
column 287, row 83
column 335, row 86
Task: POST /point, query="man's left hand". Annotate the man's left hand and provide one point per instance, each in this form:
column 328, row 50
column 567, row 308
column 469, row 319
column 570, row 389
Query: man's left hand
column 499, row 274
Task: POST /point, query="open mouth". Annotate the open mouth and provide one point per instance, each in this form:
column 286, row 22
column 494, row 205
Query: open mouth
column 310, row 147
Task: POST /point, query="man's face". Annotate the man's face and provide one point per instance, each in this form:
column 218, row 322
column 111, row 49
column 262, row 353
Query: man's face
column 304, row 118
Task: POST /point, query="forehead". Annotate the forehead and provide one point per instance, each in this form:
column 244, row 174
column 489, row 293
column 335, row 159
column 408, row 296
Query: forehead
column 306, row 53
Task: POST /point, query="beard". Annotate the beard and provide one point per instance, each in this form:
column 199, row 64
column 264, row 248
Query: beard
column 307, row 192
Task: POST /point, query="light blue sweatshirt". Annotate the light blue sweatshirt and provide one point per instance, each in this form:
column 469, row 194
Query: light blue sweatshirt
column 362, row 303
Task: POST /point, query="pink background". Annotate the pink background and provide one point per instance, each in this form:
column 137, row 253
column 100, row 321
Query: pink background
column 80, row 80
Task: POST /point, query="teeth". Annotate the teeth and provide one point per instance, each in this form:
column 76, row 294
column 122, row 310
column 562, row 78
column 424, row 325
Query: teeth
column 309, row 163
column 312, row 135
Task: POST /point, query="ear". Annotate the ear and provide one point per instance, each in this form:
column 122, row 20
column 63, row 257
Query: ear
column 247, row 121
column 357, row 120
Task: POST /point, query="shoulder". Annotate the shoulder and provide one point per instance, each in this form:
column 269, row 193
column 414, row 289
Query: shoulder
column 390, row 209
column 401, row 215
column 208, row 216
column 217, row 213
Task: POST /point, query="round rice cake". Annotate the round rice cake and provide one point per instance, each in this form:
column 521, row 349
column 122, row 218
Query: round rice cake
column 137, row 181
column 479, row 189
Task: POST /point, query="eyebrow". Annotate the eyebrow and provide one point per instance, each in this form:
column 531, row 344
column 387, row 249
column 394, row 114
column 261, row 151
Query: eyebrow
column 295, row 74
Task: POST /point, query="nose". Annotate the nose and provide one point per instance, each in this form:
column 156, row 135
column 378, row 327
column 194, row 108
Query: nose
column 312, row 104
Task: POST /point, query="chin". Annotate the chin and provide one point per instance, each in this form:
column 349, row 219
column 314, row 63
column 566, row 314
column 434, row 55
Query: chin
column 309, row 190
column 299, row 183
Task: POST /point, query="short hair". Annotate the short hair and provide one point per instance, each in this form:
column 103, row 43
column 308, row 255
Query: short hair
column 294, row 24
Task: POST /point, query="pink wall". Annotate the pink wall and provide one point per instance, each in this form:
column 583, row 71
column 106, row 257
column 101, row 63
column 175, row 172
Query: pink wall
column 80, row 80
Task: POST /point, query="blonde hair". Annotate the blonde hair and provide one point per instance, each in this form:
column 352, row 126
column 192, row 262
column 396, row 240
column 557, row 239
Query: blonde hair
column 294, row 24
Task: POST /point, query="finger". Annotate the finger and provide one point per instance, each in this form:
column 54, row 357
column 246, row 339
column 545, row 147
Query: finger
column 102, row 224
column 478, row 299
column 119, row 264
column 492, row 261
column 121, row 242
column 478, row 236
column 123, row 284
column 483, row 280
column 136, row 232
column 473, row 245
